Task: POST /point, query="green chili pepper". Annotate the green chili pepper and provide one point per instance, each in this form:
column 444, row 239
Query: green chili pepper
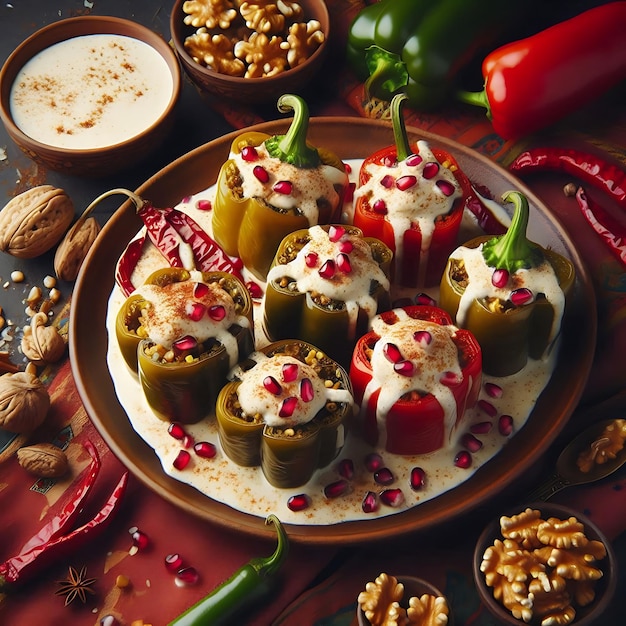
column 246, row 586
column 419, row 47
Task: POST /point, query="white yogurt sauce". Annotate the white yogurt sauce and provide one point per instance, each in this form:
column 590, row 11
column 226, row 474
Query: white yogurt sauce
column 247, row 490
column 91, row 91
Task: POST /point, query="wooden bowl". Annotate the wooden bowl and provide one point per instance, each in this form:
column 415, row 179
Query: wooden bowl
column 105, row 158
column 250, row 90
column 604, row 587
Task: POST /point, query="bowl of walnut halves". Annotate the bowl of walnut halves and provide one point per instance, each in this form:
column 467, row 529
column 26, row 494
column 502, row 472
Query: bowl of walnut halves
column 402, row 601
column 250, row 51
column 545, row 564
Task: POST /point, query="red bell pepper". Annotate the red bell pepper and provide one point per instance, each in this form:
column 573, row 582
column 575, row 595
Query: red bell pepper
column 534, row 82
column 417, row 262
column 417, row 422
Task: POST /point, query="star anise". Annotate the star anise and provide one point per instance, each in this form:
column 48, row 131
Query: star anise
column 76, row 585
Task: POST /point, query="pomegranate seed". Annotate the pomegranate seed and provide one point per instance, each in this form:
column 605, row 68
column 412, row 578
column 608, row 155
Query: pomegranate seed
column 255, row 289
column 463, row 459
column 413, row 159
column 272, row 385
column 380, row 207
column 418, row 479
column 307, row 393
column 289, row 372
column 187, row 576
column 488, row 408
column 283, row 187
column 200, row 290
column 370, row 502
column 336, row 489
column 140, row 540
column 188, row 441
column 481, row 428
column 288, row 406
column 249, row 154
column 205, row 449
column 195, row 311
column 109, row 620
column 390, row 161
column 335, row 233
column 346, row 247
column 182, row 460
column 522, row 296
column 237, row 263
column 185, row 343
column 387, row 181
column 430, row 170
column 423, row 337
column 500, row 278
column 406, row 182
column 327, row 270
column 204, row 205
column 343, row 263
column 217, row 312
column 299, row 502
column 424, row 299
column 346, row 468
column 450, row 378
column 471, row 443
column 373, row 462
column 311, row 259
column 493, row 390
column 347, row 167
column 392, row 497
column 404, row 368
column 384, row 476
column 173, row 562
column 261, row 174
column 446, row 187
column 505, row 425
column 392, row 353
column 176, row 430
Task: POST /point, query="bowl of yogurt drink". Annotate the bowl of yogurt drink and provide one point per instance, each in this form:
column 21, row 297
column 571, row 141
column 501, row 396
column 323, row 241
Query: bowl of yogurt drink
column 89, row 95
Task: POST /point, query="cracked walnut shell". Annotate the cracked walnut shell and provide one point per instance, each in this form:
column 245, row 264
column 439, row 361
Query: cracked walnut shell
column 24, row 402
column 41, row 343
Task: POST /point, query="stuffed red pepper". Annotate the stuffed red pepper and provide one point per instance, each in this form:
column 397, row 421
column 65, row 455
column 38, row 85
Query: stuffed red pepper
column 412, row 198
column 414, row 374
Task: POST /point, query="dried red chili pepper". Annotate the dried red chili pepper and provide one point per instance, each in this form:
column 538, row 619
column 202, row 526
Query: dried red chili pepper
column 590, row 168
column 28, row 563
column 613, row 233
column 176, row 235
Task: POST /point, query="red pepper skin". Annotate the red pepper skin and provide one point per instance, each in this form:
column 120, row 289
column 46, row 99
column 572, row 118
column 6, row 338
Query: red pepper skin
column 590, row 168
column 406, row 270
column 27, row 564
column 612, row 233
column 126, row 265
column 415, row 426
column 534, row 82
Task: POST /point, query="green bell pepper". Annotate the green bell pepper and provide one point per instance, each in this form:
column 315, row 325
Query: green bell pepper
column 511, row 321
column 252, row 225
column 418, row 47
column 286, row 410
column 188, row 330
column 310, row 297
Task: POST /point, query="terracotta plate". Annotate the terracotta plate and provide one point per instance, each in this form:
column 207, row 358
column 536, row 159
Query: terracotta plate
column 350, row 138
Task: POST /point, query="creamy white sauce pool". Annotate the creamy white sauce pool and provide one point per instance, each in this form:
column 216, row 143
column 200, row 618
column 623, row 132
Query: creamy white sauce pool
column 247, row 490
column 91, row 91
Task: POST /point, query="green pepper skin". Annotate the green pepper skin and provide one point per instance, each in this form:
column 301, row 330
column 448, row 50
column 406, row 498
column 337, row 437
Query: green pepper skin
column 288, row 313
column 126, row 323
column 507, row 339
column 242, row 590
column 432, row 40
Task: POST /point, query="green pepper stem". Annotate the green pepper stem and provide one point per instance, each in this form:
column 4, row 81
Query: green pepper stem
column 266, row 567
column 475, row 98
column 292, row 147
column 403, row 149
column 387, row 72
column 513, row 251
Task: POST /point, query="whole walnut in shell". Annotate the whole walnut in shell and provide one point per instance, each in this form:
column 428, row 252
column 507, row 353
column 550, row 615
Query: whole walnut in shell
column 41, row 343
column 24, row 402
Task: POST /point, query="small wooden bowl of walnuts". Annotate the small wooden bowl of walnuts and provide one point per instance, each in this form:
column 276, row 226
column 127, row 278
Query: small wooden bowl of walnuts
column 250, row 51
column 545, row 564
